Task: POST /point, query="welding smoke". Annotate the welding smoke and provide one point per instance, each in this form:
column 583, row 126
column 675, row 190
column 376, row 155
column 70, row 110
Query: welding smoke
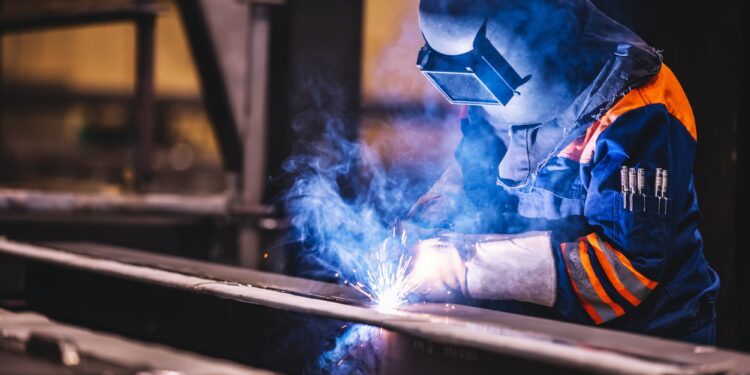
column 356, row 351
column 352, row 182
column 346, row 195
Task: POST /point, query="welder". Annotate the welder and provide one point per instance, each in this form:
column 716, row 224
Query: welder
column 571, row 195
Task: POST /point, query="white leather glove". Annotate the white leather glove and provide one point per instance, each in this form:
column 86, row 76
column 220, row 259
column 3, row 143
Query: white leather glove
column 500, row 267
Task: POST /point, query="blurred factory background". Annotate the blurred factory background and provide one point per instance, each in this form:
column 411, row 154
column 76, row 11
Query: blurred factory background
column 163, row 125
column 119, row 100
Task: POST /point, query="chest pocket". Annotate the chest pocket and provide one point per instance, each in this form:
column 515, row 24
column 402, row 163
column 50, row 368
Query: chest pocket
column 555, row 193
column 562, row 178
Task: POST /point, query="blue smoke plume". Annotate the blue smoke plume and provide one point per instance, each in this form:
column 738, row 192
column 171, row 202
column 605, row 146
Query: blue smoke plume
column 348, row 191
column 356, row 351
column 345, row 200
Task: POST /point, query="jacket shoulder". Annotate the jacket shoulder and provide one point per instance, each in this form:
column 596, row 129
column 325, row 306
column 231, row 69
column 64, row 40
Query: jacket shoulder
column 663, row 89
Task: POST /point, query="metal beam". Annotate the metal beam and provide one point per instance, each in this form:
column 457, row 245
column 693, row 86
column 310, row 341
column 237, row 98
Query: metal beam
column 90, row 351
column 144, row 111
column 550, row 344
column 213, row 85
column 78, row 18
column 38, row 201
column 255, row 124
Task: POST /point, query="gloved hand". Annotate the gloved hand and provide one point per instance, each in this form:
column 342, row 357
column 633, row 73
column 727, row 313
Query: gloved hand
column 517, row 267
column 438, row 272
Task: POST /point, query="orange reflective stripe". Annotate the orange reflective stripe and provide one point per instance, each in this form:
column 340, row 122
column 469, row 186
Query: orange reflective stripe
column 610, row 272
column 579, row 147
column 586, row 305
column 666, row 89
column 662, row 89
column 595, row 283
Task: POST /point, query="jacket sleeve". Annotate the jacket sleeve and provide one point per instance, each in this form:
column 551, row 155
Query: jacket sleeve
column 615, row 267
column 458, row 200
column 438, row 205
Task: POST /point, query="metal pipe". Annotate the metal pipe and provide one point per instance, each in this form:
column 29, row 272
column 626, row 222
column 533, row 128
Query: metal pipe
column 255, row 124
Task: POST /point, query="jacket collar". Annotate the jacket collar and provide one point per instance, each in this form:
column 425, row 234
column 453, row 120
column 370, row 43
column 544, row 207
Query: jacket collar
column 532, row 145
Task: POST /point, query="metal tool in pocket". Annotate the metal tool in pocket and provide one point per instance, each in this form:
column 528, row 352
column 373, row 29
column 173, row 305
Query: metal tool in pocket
column 660, row 189
column 642, row 187
column 624, row 186
column 633, row 184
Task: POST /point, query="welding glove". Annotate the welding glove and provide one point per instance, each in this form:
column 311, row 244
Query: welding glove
column 438, row 272
column 496, row 267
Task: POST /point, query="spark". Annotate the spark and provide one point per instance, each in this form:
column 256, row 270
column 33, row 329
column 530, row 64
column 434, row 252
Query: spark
column 387, row 285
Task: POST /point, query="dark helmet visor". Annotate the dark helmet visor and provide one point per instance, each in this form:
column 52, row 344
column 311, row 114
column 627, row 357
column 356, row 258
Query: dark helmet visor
column 481, row 76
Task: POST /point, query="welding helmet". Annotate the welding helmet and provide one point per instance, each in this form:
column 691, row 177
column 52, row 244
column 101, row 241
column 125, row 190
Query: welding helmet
column 481, row 76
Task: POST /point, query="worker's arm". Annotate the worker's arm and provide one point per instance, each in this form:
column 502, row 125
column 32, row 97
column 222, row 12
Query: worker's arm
column 437, row 207
column 603, row 274
column 458, row 200
column 486, row 266
column 616, row 266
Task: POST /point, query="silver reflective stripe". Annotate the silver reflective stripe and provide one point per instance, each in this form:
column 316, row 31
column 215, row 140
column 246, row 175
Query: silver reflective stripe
column 583, row 283
column 625, row 276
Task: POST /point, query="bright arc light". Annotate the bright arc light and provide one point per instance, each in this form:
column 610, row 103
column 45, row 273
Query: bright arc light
column 387, row 285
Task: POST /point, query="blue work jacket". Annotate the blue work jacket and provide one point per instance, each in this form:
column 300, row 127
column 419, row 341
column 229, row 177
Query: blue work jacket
column 639, row 269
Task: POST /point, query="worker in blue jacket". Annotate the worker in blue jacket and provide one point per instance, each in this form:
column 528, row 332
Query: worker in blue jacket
column 571, row 195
